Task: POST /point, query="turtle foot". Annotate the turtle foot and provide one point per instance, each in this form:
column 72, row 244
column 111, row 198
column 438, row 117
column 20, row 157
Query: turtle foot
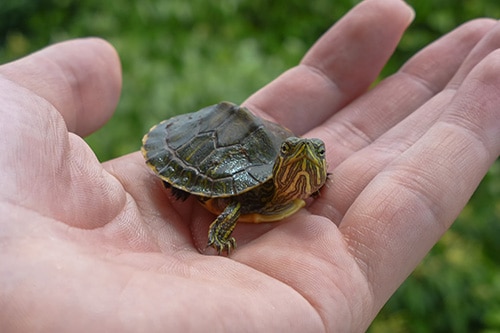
column 222, row 245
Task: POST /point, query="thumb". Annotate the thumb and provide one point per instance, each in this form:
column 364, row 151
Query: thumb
column 81, row 78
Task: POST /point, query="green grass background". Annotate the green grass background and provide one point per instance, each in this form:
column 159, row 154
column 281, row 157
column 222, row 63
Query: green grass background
column 179, row 55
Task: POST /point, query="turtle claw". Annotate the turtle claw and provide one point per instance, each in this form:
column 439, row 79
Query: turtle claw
column 222, row 245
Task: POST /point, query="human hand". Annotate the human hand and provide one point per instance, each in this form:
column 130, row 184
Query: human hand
column 91, row 246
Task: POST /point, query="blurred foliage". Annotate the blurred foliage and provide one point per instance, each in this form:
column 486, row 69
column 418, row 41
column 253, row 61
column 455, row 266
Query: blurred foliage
column 178, row 56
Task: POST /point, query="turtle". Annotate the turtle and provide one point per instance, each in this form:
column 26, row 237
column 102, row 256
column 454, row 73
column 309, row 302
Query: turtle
column 239, row 166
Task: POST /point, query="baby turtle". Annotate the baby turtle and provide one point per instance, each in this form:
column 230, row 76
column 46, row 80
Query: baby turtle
column 239, row 166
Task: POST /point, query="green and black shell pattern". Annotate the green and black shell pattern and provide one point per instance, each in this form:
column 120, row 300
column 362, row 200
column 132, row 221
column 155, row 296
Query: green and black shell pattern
column 220, row 151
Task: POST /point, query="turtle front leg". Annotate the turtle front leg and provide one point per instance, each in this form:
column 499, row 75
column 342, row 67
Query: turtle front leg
column 219, row 233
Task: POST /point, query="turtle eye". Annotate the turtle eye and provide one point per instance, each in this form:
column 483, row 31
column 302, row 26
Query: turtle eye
column 321, row 151
column 285, row 148
column 319, row 147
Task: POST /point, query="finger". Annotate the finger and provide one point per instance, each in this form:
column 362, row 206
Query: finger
column 338, row 68
column 355, row 171
column 413, row 201
column 80, row 78
column 485, row 46
column 426, row 74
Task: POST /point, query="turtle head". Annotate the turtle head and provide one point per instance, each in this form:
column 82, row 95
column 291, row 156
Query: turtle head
column 300, row 168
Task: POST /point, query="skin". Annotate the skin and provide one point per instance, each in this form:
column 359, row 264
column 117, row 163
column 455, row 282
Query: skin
column 88, row 246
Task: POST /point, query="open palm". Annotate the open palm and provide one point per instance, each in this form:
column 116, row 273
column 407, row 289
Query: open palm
column 85, row 245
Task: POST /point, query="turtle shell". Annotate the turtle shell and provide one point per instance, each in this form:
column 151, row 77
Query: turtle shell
column 220, row 151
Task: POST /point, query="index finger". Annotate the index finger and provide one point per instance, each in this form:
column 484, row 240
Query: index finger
column 337, row 69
